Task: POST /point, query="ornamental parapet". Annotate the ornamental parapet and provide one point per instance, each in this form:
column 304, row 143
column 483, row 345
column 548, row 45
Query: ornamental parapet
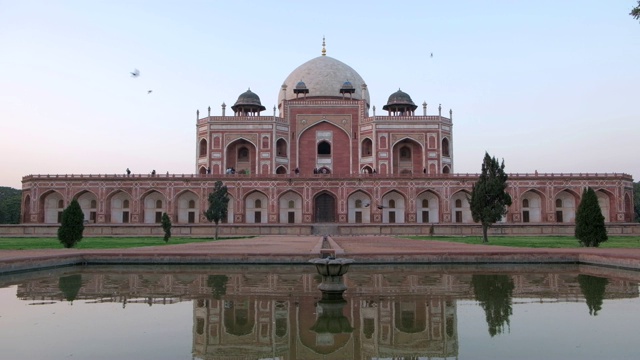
column 209, row 119
column 334, row 176
column 409, row 118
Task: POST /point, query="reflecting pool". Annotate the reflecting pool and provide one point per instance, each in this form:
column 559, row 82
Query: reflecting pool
column 278, row 312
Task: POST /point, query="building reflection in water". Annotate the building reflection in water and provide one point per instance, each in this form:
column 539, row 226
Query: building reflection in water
column 277, row 312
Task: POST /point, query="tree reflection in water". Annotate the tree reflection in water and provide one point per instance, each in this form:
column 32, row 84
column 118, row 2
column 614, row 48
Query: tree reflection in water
column 70, row 286
column 494, row 293
column 593, row 289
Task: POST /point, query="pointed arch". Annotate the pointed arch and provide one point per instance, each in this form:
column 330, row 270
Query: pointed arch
column 52, row 204
column 393, row 207
column 89, row 204
column 460, row 209
column 366, row 147
column 187, row 207
column 535, row 202
column 256, row 205
column 202, row 148
column 241, row 155
column 26, row 209
column 120, row 207
column 359, row 207
column 154, row 204
column 565, row 202
column 428, row 207
column 607, row 203
column 325, row 207
column 290, row 207
column 446, row 147
column 281, row 170
column 407, row 156
column 281, row 147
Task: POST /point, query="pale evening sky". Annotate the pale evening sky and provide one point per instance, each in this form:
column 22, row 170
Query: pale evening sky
column 547, row 85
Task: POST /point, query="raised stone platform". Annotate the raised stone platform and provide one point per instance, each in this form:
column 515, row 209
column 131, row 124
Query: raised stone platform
column 300, row 249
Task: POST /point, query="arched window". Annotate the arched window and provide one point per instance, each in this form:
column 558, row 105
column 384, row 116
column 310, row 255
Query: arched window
column 425, row 203
column 292, row 204
column 558, row 203
column 358, row 203
column 203, row 148
column 158, row 204
column 367, row 147
column 445, row 147
column 257, row 204
column 445, row 170
column 458, row 203
column 324, row 148
column 265, row 142
column 60, row 204
column 192, row 204
column 405, row 153
column 243, row 154
column 281, row 170
column 525, row 203
column 125, row 204
column 281, row 147
column 93, row 204
column 392, row 204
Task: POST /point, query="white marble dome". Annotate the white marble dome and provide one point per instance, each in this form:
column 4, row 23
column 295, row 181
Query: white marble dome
column 323, row 76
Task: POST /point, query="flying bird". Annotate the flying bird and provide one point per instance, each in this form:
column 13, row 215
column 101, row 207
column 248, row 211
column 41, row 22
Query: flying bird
column 149, row 91
column 135, row 73
column 431, row 54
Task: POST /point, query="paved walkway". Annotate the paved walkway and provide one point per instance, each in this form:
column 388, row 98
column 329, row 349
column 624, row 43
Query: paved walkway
column 300, row 249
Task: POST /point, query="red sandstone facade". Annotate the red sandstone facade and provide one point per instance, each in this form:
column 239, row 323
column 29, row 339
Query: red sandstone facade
column 322, row 159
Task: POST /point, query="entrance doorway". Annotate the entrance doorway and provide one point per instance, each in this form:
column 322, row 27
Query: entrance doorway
column 325, row 208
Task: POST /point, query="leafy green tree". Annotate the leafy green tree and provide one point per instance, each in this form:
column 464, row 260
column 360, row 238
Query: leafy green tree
column 590, row 230
column 593, row 288
column 636, row 200
column 70, row 286
column 218, row 204
column 166, row 226
column 489, row 199
column 494, row 293
column 10, row 201
column 72, row 225
column 635, row 12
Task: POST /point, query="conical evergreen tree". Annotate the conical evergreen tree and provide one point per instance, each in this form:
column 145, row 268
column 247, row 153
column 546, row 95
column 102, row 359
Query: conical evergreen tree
column 218, row 204
column 72, row 225
column 494, row 293
column 489, row 198
column 593, row 288
column 590, row 230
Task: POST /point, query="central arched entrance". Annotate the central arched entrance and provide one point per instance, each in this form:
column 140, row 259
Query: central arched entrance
column 325, row 208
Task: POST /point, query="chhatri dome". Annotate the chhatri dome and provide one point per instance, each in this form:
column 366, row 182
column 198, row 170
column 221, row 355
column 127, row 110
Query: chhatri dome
column 323, row 76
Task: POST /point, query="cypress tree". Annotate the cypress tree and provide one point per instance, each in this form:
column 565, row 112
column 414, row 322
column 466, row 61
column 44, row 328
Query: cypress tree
column 72, row 225
column 166, row 226
column 489, row 199
column 590, row 230
column 218, row 204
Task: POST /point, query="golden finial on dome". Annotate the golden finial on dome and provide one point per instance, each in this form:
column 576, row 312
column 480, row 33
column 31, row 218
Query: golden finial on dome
column 324, row 51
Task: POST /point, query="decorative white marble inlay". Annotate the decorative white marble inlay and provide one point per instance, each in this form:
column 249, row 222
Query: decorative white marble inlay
column 324, row 161
column 324, row 135
column 433, row 154
column 216, row 155
column 383, row 154
column 365, row 128
column 446, row 160
column 446, row 128
column 265, row 155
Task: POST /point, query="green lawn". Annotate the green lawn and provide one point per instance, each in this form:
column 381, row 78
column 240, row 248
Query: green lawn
column 96, row 242
column 627, row 242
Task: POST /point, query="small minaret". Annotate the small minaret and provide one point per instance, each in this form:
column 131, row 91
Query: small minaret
column 450, row 114
column 440, row 110
column 224, row 106
column 324, row 50
column 274, row 111
column 424, row 108
column 374, row 110
column 197, row 114
column 209, row 110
